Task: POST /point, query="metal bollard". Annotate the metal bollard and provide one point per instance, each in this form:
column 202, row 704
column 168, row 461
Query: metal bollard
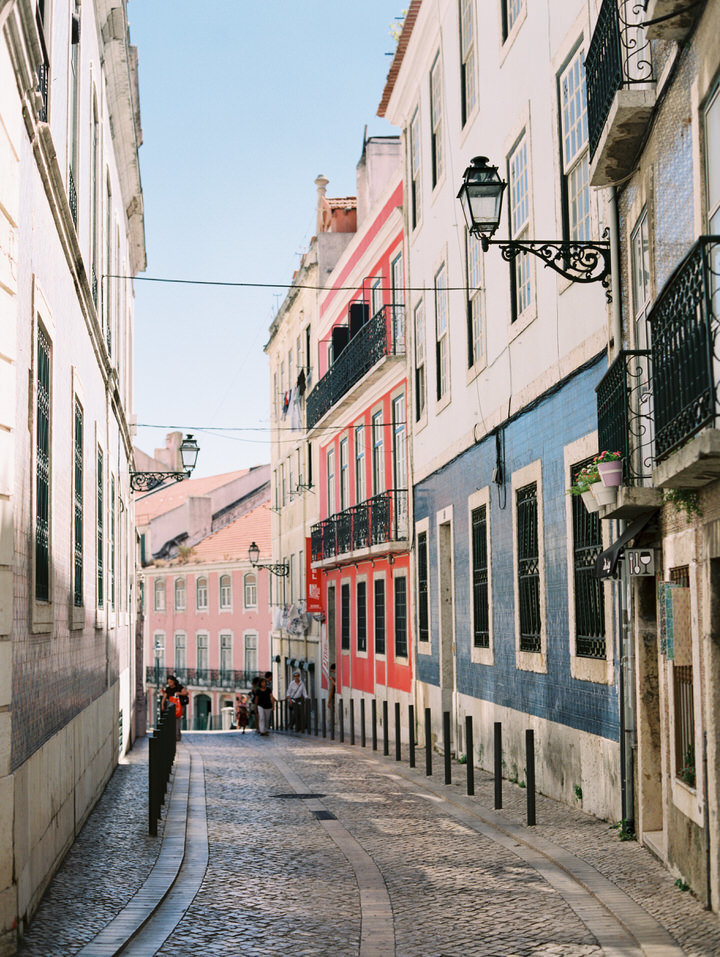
column 497, row 734
column 469, row 754
column 530, row 772
column 363, row 742
column 411, row 733
column 342, row 721
column 352, row 721
column 374, row 724
column 428, row 744
column 398, row 742
column 153, row 802
column 386, row 740
column 446, row 747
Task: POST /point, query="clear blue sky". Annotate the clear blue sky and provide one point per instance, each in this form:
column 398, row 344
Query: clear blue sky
column 243, row 104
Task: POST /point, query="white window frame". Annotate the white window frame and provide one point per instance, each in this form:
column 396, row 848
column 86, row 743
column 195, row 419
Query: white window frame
column 180, row 594
column 225, row 592
column 415, row 198
column 420, row 378
column 574, row 148
column 468, row 67
column 422, row 647
column 199, row 586
column 437, row 163
column 159, row 589
column 530, row 660
column 520, row 220
column 250, row 590
column 481, row 656
column 442, row 336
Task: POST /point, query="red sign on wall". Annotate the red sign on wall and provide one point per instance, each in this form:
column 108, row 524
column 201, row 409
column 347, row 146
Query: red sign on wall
column 312, row 578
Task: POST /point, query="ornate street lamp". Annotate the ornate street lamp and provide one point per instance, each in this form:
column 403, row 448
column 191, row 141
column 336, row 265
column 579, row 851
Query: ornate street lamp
column 281, row 569
column 147, row 481
column 481, row 199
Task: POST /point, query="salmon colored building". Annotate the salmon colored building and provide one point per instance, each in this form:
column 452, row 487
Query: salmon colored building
column 356, row 418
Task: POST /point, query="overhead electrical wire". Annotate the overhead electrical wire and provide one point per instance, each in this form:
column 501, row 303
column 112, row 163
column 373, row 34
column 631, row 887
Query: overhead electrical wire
column 275, row 285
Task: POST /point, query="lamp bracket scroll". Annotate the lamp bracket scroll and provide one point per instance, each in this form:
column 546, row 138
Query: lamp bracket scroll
column 578, row 261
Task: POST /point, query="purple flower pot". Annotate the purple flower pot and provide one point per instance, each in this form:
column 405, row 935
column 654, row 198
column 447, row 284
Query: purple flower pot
column 611, row 473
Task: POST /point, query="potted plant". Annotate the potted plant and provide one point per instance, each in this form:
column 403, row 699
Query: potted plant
column 586, row 478
column 610, row 468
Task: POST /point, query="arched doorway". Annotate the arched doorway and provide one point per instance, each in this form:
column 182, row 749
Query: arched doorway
column 201, row 712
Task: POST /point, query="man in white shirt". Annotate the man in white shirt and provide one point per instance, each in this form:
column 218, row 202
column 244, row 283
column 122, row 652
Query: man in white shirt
column 296, row 695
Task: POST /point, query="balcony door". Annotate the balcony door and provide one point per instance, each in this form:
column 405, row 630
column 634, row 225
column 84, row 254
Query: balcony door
column 400, row 465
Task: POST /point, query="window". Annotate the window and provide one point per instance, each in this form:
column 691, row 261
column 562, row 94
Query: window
column 528, row 568
column 331, row 619
column 474, row 301
column 468, row 96
column 481, row 598
column 378, row 454
column 345, row 616
column 78, row 552
column 401, row 645
column 574, row 133
column 379, row 616
column 159, row 594
column 422, row 588
column 42, row 469
column 519, row 202
column 640, row 263
column 179, row 594
column 225, row 657
column 415, row 184
column 344, row 474
column 74, row 109
column 331, row 481
column 712, row 162
column 442, row 346
column 436, row 122
column 361, row 612
column 225, row 591
column 201, row 594
column 398, row 283
column 251, row 656
column 111, row 543
column 510, row 10
column 679, row 651
column 99, row 521
column 359, row 463
column 376, row 296
column 250, row 589
column 400, row 480
column 419, row 360
column 201, row 645
column 589, row 597
column 180, row 651
column 105, row 295
column 94, row 203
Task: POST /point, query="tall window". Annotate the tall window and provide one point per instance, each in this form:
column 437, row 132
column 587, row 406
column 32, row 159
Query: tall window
column 510, row 10
column 640, row 262
column 361, row 612
column 42, row 469
column 251, row 655
column 481, row 598
column 379, row 616
column 180, row 651
column 401, row 644
column 528, row 567
column 111, row 543
column 159, row 594
column 344, row 474
column 589, row 598
column 474, row 301
column 78, row 552
column 225, row 656
column 400, row 480
column 94, row 202
column 419, row 360
column 225, row 591
column 436, row 121
column 201, row 645
column 105, row 291
column 712, row 162
column 682, row 677
column 574, row 131
column 74, row 109
column 519, row 225
column 359, row 463
column 345, row 616
column 378, row 456
column 99, row 520
column 415, row 183
column 179, row 594
column 201, row 594
column 468, row 95
column 250, row 590
column 331, row 618
column 398, row 283
column 442, row 345
column 422, row 588
column 376, row 296
column 331, row 481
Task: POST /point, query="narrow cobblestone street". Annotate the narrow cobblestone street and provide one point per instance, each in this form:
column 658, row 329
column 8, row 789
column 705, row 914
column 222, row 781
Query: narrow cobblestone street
column 319, row 848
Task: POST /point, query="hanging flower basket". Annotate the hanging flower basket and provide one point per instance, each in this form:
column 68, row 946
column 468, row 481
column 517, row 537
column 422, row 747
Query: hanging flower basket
column 611, row 473
column 604, row 494
column 589, row 501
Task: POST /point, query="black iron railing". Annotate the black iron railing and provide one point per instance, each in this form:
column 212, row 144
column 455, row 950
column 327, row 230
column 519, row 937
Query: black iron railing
column 43, row 78
column 683, row 327
column 624, row 410
column 618, row 56
column 528, row 568
column 216, row 678
column 380, row 519
column 383, row 335
column 72, row 195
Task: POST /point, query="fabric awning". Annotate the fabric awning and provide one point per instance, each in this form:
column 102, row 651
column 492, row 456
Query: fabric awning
column 606, row 562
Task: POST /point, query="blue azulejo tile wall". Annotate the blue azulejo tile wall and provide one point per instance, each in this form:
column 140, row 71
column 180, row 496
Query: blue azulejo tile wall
column 540, row 432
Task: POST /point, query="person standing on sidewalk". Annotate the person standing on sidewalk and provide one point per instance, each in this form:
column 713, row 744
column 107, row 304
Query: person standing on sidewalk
column 296, row 695
column 265, row 701
column 175, row 696
column 241, row 712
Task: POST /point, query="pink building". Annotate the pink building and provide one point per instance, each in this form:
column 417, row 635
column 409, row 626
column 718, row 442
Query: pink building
column 206, row 610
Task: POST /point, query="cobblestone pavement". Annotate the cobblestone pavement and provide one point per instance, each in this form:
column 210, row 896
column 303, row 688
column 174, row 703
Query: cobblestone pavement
column 283, row 880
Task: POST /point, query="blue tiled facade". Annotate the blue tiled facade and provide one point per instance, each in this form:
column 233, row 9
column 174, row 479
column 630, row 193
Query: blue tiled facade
column 542, row 432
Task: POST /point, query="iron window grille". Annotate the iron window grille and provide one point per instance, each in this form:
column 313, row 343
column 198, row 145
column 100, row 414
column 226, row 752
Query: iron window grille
column 79, row 463
column 624, row 413
column 100, row 530
column 379, row 586
column 361, row 611
column 111, row 543
column 401, row 645
column 481, row 602
column 42, row 467
column 589, row 596
column 345, row 616
column 422, row 588
column 528, row 568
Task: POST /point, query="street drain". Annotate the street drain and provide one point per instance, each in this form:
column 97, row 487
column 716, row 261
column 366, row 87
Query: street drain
column 324, row 816
column 294, row 796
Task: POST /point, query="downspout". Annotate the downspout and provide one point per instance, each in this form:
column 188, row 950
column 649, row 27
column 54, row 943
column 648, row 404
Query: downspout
column 615, row 344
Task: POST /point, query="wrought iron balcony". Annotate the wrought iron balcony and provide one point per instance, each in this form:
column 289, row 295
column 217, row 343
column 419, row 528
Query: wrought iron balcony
column 376, row 521
column 43, row 81
column 624, row 410
column 72, row 196
column 684, row 324
column 211, row 679
column 618, row 58
column 382, row 336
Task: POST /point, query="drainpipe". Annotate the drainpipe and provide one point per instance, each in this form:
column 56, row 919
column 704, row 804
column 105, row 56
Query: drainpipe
column 616, row 312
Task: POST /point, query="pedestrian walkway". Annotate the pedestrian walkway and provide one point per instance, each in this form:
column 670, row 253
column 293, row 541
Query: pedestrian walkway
column 301, row 846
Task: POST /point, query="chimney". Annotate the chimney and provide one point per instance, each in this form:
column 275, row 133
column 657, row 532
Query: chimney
column 323, row 210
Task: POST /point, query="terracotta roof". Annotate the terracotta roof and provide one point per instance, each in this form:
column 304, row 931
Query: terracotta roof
column 232, row 541
column 402, row 46
column 157, row 503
